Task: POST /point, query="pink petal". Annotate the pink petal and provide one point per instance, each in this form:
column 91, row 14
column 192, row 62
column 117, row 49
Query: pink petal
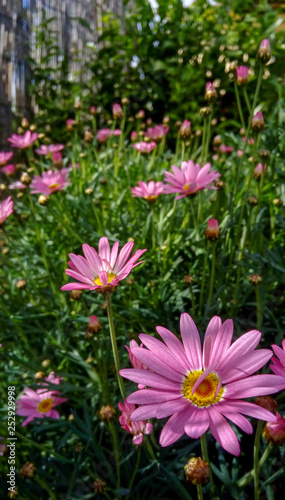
column 114, row 253
column 149, row 396
column 221, row 342
column 79, row 277
column 223, row 432
column 256, row 385
column 162, row 352
column 210, row 336
column 250, row 409
column 104, row 248
column 198, row 423
column 123, row 256
column 138, row 439
column 170, row 407
column 174, row 345
column 191, row 341
column 246, row 365
column 144, row 412
column 93, row 258
column 240, row 421
column 174, row 427
column 156, row 365
column 150, row 379
column 246, row 342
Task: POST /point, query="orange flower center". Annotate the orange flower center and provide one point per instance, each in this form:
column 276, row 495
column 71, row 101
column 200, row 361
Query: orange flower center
column 45, row 405
column 54, row 186
column 205, row 393
column 111, row 276
column 151, row 199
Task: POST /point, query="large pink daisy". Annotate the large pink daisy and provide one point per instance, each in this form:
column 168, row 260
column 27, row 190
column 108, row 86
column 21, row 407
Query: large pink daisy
column 198, row 386
column 190, row 179
column 50, row 182
column 103, row 270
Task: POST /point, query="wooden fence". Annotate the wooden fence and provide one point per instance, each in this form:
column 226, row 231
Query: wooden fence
column 18, row 21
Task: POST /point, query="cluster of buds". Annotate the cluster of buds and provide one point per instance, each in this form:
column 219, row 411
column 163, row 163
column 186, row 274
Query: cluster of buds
column 210, row 92
column 257, row 122
column 185, row 130
column 213, row 231
column 197, row 471
column 264, row 51
column 242, row 75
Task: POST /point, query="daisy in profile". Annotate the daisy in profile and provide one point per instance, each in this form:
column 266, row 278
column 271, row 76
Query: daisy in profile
column 6, row 209
column 137, row 429
column 190, row 179
column 23, row 141
column 144, row 147
column 104, row 270
column 149, row 192
column 50, row 182
column 201, row 388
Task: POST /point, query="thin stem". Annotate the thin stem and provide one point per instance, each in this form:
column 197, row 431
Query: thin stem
column 116, row 452
column 200, row 492
column 114, row 344
column 239, row 104
column 213, row 270
column 203, row 440
column 245, row 94
column 203, row 284
column 194, row 217
column 135, row 470
column 258, row 307
column 256, row 458
column 243, row 481
column 208, row 136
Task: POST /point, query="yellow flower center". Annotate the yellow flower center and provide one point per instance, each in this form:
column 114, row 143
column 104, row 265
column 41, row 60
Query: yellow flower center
column 205, row 394
column 54, row 186
column 186, row 187
column 111, row 276
column 45, row 405
column 151, row 199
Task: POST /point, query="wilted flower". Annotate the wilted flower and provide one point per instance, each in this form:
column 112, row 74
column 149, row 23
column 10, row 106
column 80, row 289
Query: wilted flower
column 101, row 271
column 8, row 169
column 190, row 179
column 242, row 75
column 199, row 386
column 274, row 432
column 94, row 325
column 213, row 231
column 51, row 148
column 50, row 182
column 185, row 130
column 259, row 171
column 6, row 209
column 149, row 191
column 264, row 51
column 257, row 122
column 28, row 470
column 255, row 279
column 210, row 92
column 138, row 428
column 39, row 403
column 23, row 141
column 4, row 157
column 197, row 471
column 99, row 485
column 144, row 147
column 156, row 133
column 117, row 111
column 70, row 124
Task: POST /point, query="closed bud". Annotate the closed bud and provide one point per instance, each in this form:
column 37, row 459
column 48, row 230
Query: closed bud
column 206, row 111
column 242, row 75
column 28, row 470
column 75, row 294
column 39, row 376
column 134, row 136
column 43, row 199
column 165, row 120
column 117, row 111
column 255, row 279
column 94, row 325
column 259, row 171
column 275, row 432
column 77, row 104
column 217, row 140
column 24, row 123
column 197, row 471
column 210, row 92
column 25, row 179
column 107, row 413
column 218, row 183
column 89, row 191
column 252, row 200
column 268, row 403
column 140, row 114
column 46, row 363
column 99, row 485
column 188, row 279
column 88, row 136
column 213, row 231
column 257, row 122
column 125, row 101
column 264, row 51
column 264, row 153
column 185, row 130
column 21, row 284
column 277, row 202
column 93, row 110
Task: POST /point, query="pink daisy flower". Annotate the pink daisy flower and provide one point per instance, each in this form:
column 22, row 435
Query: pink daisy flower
column 8, row 169
column 104, row 134
column 201, row 387
column 51, row 148
column 149, row 191
column 4, row 157
column 103, row 270
column 23, row 141
column 190, row 179
column 156, row 133
column 17, row 185
column 6, row 209
column 225, row 149
column 138, row 428
column 40, row 403
column 278, row 366
column 50, row 182
column 136, row 363
column 144, row 147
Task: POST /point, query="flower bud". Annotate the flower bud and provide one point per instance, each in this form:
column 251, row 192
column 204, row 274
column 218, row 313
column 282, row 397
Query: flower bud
column 185, row 130
column 43, row 199
column 39, row 376
column 89, row 191
column 264, row 153
column 264, row 51
column 125, row 101
column 213, row 231
column 259, row 171
column 242, row 75
column 94, row 325
column 28, row 470
column 117, row 111
column 99, row 485
column 257, row 122
column 77, row 104
column 57, row 159
column 255, row 279
column 197, row 471
column 210, row 93
column 140, row 114
column 217, row 140
column 165, row 120
column 24, row 123
column 277, row 202
column 21, row 284
column 252, row 200
column 188, row 279
column 88, row 136
column 75, row 294
column 206, row 111
column 25, row 179
column 275, row 432
column 107, row 413
column 268, row 403
column 93, row 110
column 46, row 363
column 134, row 136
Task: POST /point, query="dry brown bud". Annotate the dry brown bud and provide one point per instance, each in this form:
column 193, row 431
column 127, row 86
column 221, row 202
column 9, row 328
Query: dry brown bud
column 28, row 470
column 255, row 279
column 99, row 485
column 197, row 471
column 107, row 413
column 268, row 403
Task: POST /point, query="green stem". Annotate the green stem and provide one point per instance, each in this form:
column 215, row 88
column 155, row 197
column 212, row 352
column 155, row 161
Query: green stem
column 45, row 487
column 213, row 270
column 117, row 453
column 135, row 470
column 200, row 492
column 114, row 344
column 243, row 481
column 194, row 218
column 239, row 104
column 245, row 94
column 208, row 136
column 256, row 458
column 203, row 284
column 258, row 307
column 203, row 440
